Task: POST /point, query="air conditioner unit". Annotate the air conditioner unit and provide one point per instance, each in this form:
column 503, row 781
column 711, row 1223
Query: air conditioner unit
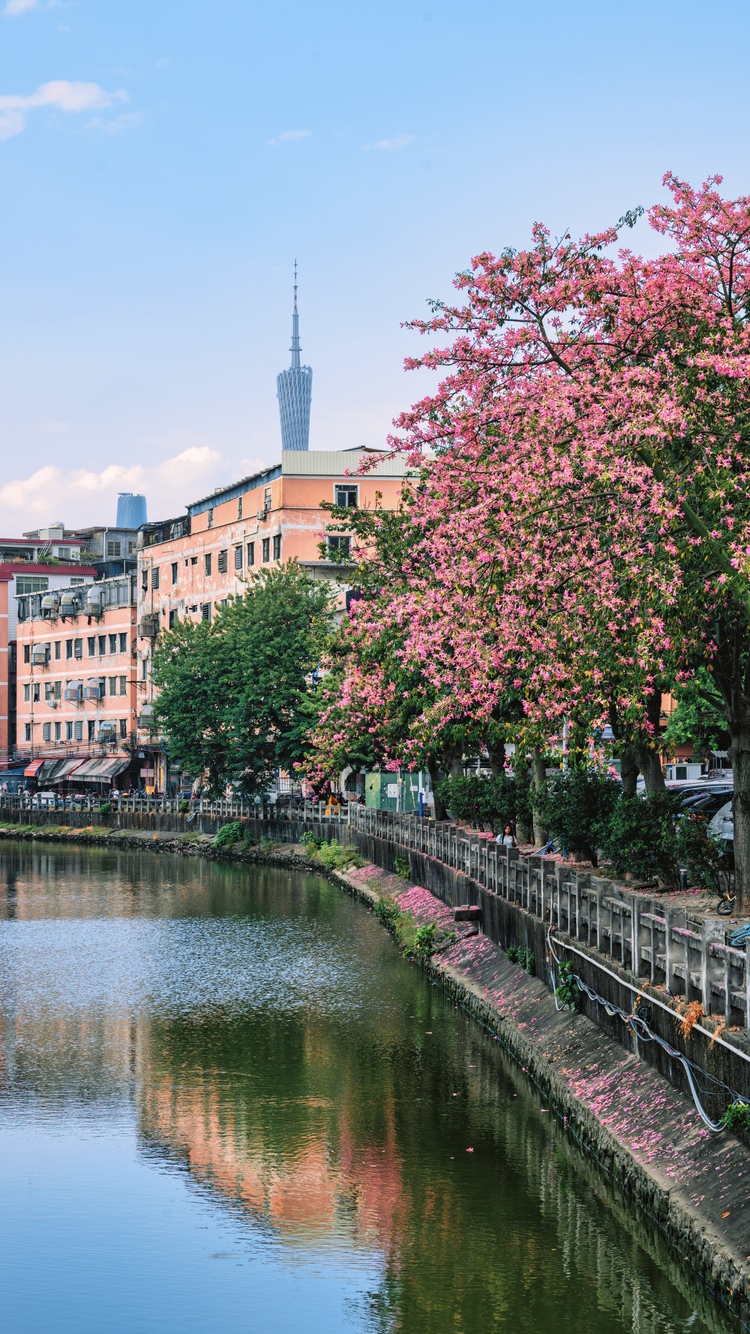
column 69, row 605
column 73, row 693
column 94, row 598
column 40, row 655
column 50, row 604
column 149, row 626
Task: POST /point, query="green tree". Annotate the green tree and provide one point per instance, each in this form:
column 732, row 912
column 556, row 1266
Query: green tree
column 700, row 717
column 235, row 696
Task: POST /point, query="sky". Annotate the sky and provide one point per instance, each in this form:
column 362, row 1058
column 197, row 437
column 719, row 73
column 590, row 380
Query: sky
column 163, row 163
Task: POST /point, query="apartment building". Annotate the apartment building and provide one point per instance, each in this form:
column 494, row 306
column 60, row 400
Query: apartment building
column 20, row 577
column 189, row 566
column 75, row 682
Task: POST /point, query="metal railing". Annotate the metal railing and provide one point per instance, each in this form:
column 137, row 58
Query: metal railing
column 283, row 808
column 652, row 939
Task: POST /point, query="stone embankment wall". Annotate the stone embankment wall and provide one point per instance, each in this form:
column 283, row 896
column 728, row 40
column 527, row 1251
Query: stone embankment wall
column 158, row 821
column 724, row 1058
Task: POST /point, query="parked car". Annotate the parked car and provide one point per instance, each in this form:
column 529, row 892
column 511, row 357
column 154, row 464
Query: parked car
column 722, row 824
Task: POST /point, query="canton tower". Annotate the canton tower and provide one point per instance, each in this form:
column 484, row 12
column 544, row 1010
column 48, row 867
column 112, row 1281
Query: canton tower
column 294, row 391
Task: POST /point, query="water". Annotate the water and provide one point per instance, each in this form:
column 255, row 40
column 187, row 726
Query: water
column 226, row 1104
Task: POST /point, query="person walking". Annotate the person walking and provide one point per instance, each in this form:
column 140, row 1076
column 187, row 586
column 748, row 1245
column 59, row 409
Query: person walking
column 507, row 839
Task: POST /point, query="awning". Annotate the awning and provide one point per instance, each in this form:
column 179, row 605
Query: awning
column 56, row 771
column 99, row 771
column 30, row 770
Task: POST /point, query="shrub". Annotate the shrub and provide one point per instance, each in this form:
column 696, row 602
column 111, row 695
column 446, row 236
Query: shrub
column 335, row 857
column 228, row 835
column 402, row 868
column 576, row 806
column 387, row 911
column 642, row 839
column 527, row 960
column 568, row 992
column 512, row 953
column 268, row 845
column 105, row 808
column 311, row 840
column 702, row 853
column 737, row 1116
column 484, row 801
column 183, row 807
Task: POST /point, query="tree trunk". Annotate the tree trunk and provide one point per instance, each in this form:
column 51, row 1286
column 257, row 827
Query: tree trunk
column 646, row 751
column 629, row 770
column 433, row 770
column 539, row 778
column 497, row 759
column 739, row 758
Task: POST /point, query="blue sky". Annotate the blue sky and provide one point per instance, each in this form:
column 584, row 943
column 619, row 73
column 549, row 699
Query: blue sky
column 163, row 162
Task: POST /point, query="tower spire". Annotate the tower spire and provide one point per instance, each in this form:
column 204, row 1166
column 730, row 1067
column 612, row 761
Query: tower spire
column 295, row 348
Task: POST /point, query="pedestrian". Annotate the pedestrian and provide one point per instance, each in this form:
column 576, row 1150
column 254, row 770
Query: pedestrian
column 507, row 839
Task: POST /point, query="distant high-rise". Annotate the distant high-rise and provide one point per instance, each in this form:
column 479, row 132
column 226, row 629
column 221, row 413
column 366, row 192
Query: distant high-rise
column 131, row 510
column 294, row 390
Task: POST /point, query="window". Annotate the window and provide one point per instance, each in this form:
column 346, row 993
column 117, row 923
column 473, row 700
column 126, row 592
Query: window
column 27, row 583
column 338, row 547
column 223, row 561
column 277, row 547
column 46, row 731
column 266, row 548
column 267, row 498
column 124, row 642
column 210, row 518
column 113, row 548
column 207, row 564
column 77, row 648
column 193, row 560
column 144, row 670
column 113, row 643
column 68, row 731
column 131, row 548
column 250, row 554
column 206, row 611
column 91, row 728
column 27, row 694
column 58, row 648
column 68, row 648
column 173, row 618
column 144, row 581
column 155, row 577
column 102, row 644
column 123, row 685
column 238, row 558
column 91, row 645
column 52, row 690
column 76, row 582
column 35, row 692
column 113, row 685
column 63, row 553
column 78, row 730
column 123, row 728
column 345, row 497
column 174, row 572
column 27, row 652
column 58, row 731
column 239, row 508
column 27, row 731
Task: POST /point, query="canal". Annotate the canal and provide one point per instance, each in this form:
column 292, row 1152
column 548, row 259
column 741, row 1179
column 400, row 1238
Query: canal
column 227, row 1104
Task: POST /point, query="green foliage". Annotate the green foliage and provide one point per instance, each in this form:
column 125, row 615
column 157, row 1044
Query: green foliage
column 105, row 808
column 402, row 868
column 568, row 992
column 228, row 835
column 700, row 717
column 184, row 807
column 486, row 801
column 526, row 958
column 701, row 852
column 577, row 805
column 311, row 840
column 737, row 1116
column 641, row 837
column 387, row 911
column 335, row 857
column 268, row 845
column 424, row 941
column 512, row 953
column 234, row 694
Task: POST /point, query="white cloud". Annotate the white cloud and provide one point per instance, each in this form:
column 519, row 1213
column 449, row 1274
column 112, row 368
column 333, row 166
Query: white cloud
column 127, row 121
column 15, row 7
column 62, row 94
column 390, row 145
column 287, row 136
column 83, row 496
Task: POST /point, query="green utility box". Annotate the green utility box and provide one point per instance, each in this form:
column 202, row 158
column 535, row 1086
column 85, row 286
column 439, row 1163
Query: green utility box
column 396, row 792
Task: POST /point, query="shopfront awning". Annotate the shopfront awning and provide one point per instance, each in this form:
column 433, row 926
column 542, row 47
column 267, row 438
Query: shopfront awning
column 98, row 771
column 30, row 770
column 57, row 771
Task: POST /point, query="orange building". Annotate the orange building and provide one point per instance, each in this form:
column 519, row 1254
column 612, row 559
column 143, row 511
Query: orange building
column 190, row 566
column 19, row 576
column 75, row 682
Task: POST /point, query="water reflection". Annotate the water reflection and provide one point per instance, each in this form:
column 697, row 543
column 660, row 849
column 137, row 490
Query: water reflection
column 262, row 1049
